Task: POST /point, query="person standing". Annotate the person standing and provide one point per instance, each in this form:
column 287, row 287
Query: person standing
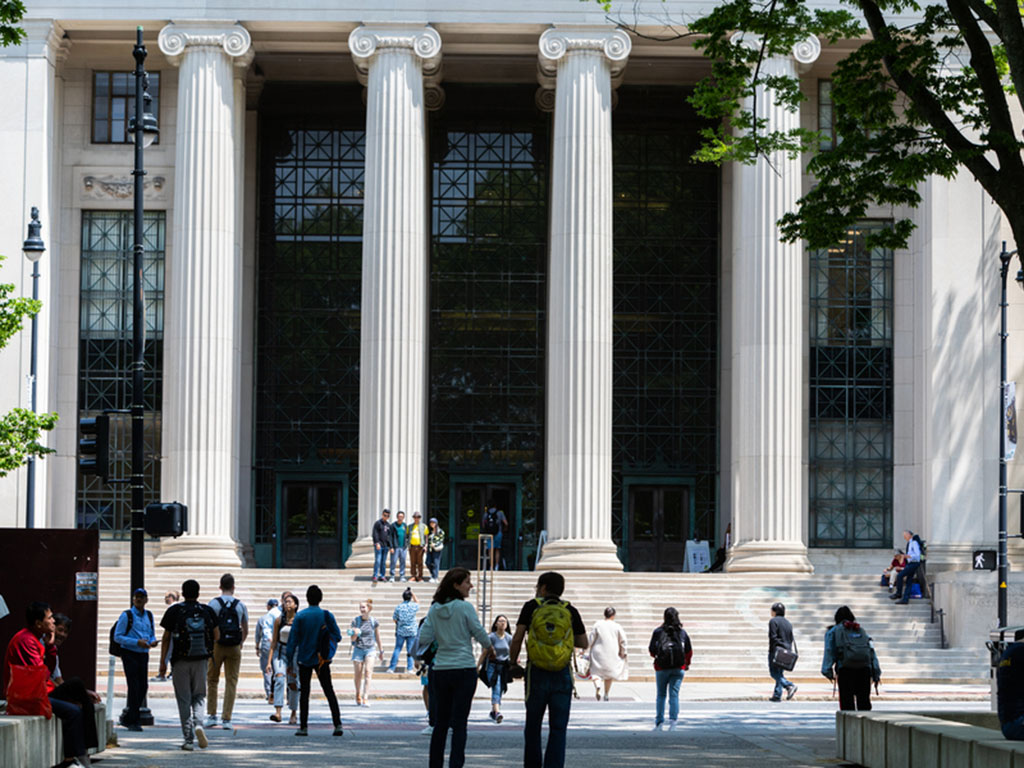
column 453, row 623
column 417, row 545
column 671, row 649
column 905, row 578
column 848, row 649
column 233, row 625
column 170, row 598
column 435, row 546
column 398, row 545
column 264, row 639
column 286, row 677
column 496, row 524
column 494, row 667
column 381, row 544
column 608, row 661
column 780, row 635
column 1010, row 689
column 134, row 632
column 365, row 633
column 311, row 645
column 554, row 628
column 405, row 630
column 190, row 632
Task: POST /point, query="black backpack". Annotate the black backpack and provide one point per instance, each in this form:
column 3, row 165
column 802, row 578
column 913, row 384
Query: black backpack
column 115, row 647
column 670, row 650
column 193, row 638
column 491, row 522
column 853, row 647
column 425, row 655
column 228, row 623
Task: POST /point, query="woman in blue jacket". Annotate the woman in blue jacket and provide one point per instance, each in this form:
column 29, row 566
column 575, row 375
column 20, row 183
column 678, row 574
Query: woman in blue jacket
column 849, row 650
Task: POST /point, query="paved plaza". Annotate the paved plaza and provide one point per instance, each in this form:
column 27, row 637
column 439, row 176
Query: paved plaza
column 619, row 732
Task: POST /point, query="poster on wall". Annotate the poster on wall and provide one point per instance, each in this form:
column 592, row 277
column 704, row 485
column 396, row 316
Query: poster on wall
column 1010, row 420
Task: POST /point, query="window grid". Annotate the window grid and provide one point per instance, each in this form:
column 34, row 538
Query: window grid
column 826, row 116
column 113, row 105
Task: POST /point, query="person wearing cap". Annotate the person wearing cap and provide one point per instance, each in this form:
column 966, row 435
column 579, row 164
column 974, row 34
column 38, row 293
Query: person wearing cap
column 381, row 544
column 264, row 634
column 435, row 546
column 135, row 634
column 417, row 545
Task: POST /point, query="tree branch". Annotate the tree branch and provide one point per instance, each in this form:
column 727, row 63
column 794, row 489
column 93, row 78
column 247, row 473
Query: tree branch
column 1011, row 32
column 987, row 14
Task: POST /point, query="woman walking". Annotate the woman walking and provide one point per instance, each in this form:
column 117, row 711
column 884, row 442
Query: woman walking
column 608, row 661
column 365, row 633
column 285, row 677
column 849, row 650
column 494, row 666
column 435, row 546
column 671, row 649
column 453, row 623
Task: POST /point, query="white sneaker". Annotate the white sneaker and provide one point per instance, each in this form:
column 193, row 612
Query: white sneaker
column 211, row 721
column 672, row 725
column 201, row 737
column 658, row 726
column 428, row 730
column 187, row 746
column 226, row 725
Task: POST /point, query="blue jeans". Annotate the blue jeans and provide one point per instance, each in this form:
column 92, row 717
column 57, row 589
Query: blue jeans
column 380, row 559
column 667, row 680
column 905, row 579
column 434, row 563
column 399, row 553
column 494, row 680
column 1014, row 730
column 779, row 676
column 453, row 689
column 409, row 643
column 551, row 691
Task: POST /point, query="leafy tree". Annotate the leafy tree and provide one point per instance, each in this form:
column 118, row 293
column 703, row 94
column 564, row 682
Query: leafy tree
column 20, row 429
column 925, row 89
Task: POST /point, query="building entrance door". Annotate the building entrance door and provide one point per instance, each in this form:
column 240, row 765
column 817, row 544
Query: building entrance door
column 659, row 519
column 313, row 525
column 471, row 499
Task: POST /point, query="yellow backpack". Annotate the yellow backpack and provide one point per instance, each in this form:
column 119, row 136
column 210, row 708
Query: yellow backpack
column 550, row 642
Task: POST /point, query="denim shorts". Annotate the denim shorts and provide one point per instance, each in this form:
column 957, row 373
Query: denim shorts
column 360, row 654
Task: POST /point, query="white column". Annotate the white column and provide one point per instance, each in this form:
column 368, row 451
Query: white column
column 768, row 385
column 578, row 482
column 200, row 415
column 392, row 61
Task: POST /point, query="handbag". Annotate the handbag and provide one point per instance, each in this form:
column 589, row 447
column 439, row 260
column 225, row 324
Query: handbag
column 785, row 658
column 26, row 691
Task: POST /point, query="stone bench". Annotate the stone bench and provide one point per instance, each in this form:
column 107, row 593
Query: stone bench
column 35, row 742
column 933, row 740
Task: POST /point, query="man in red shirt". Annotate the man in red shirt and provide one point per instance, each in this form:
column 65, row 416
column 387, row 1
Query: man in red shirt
column 32, row 647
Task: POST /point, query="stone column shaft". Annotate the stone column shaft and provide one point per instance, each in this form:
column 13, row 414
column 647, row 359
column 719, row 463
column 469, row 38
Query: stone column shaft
column 200, row 416
column 578, row 479
column 769, row 498
column 394, row 317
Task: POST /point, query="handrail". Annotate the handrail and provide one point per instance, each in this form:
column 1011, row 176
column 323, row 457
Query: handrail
column 541, row 541
column 484, row 576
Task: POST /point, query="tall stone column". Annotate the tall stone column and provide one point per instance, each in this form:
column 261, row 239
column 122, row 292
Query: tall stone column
column 578, row 497
column 200, row 415
column 392, row 61
column 768, row 493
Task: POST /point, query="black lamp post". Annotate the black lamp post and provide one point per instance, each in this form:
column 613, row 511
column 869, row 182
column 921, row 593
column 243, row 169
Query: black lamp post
column 145, row 130
column 33, row 248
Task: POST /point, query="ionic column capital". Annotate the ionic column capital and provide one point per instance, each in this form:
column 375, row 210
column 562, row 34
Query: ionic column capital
column 420, row 40
column 558, row 42
column 803, row 53
column 175, row 39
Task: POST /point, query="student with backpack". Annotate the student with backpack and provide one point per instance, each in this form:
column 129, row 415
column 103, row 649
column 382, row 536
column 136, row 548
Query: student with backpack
column 134, row 636
column 849, row 651
column 233, row 625
column 552, row 629
column 494, row 523
column 670, row 647
column 192, row 627
column 313, row 641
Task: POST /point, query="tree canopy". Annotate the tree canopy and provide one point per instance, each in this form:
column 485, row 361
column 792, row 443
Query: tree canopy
column 921, row 89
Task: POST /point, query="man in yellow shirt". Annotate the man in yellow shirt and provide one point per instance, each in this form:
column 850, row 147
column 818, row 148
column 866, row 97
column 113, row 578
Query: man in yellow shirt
column 417, row 544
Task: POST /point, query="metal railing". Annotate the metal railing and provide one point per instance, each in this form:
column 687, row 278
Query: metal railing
column 484, row 577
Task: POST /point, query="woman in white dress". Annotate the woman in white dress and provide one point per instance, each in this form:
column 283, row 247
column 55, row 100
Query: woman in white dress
column 608, row 660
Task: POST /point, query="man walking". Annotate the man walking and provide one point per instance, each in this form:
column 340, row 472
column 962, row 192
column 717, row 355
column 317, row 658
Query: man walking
column 905, row 578
column 780, row 635
column 134, row 632
column 193, row 628
column 312, row 643
column 233, row 626
column 554, row 628
column 381, row 545
column 417, row 546
column 398, row 544
column 264, row 635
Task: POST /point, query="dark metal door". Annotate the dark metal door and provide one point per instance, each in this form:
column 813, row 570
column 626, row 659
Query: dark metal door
column 470, row 501
column 659, row 519
column 313, row 525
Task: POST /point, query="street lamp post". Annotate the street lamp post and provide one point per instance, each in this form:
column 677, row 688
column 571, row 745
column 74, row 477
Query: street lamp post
column 33, row 248
column 144, row 128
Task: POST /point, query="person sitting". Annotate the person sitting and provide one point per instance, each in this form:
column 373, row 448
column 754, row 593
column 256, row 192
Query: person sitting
column 33, row 646
column 889, row 575
column 72, row 689
column 1010, row 689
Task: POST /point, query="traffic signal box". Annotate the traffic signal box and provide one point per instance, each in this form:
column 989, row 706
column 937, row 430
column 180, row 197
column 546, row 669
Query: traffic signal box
column 94, row 446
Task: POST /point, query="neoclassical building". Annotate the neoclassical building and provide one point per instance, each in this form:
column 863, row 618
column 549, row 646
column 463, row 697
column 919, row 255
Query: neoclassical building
column 432, row 261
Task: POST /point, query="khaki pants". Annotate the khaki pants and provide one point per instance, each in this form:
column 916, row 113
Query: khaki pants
column 231, row 657
column 416, row 559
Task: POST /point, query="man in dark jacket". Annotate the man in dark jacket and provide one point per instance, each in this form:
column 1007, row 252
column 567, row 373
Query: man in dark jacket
column 780, row 635
column 1010, row 687
column 381, row 544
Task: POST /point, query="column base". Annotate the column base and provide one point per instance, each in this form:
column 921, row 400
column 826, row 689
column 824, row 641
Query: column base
column 769, row 557
column 361, row 558
column 579, row 555
column 200, row 550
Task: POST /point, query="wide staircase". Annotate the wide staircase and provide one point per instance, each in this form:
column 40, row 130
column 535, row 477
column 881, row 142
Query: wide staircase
column 726, row 615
